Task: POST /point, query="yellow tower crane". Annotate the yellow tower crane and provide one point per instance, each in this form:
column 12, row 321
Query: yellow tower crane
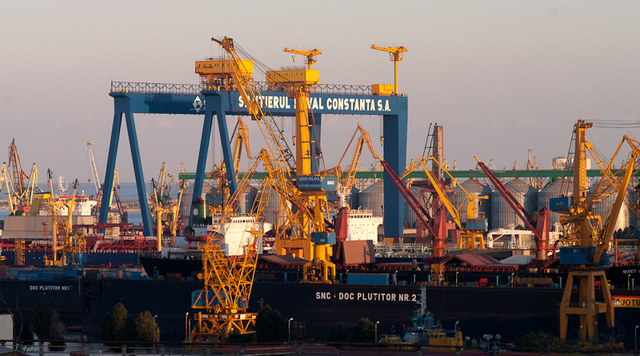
column 586, row 238
column 235, row 74
column 299, row 83
column 395, row 54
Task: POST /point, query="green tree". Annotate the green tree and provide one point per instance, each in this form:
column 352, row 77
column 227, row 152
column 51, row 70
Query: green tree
column 42, row 316
column 338, row 333
column 56, row 333
column 22, row 326
column 270, row 325
column 146, row 327
column 363, row 331
column 118, row 326
column 538, row 341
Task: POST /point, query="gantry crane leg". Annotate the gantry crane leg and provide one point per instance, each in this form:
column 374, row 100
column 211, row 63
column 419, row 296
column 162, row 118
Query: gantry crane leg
column 586, row 307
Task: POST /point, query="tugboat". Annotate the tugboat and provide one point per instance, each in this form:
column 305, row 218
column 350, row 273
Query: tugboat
column 425, row 330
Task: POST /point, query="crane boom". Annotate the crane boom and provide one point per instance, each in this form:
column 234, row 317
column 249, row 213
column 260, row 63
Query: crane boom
column 243, row 82
column 94, row 169
column 6, row 179
column 311, row 55
column 541, row 229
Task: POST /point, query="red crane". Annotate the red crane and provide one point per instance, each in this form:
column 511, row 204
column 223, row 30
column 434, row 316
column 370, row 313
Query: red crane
column 436, row 227
column 541, row 229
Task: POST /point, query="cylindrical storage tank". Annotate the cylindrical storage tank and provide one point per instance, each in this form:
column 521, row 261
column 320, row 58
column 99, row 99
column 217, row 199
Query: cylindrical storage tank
column 476, row 189
column 248, row 199
column 502, row 215
column 273, row 209
column 604, row 210
column 632, row 196
column 557, row 189
column 354, row 198
column 410, row 216
column 187, row 199
column 372, row 198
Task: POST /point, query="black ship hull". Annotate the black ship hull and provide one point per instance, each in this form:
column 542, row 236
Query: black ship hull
column 315, row 308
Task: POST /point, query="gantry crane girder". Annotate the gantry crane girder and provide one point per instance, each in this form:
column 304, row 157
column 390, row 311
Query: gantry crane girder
column 220, row 100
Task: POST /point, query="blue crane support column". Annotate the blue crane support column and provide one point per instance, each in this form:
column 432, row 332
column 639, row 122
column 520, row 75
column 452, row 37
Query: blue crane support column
column 395, row 153
column 215, row 103
column 123, row 107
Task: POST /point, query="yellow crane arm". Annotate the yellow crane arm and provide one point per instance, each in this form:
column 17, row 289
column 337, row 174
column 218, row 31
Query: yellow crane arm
column 33, row 183
column 241, row 140
column 310, row 54
column 395, row 56
column 443, row 197
column 6, row 179
column 250, row 94
column 395, row 52
column 347, row 182
column 609, row 225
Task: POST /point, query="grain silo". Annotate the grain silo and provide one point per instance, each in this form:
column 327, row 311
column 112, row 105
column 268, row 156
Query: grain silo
column 247, row 200
column 372, row 198
column 603, row 209
column 187, row 199
column 410, row 216
column 557, row 189
column 502, row 215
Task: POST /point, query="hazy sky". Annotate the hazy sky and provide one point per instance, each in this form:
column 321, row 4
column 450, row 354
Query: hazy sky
column 500, row 76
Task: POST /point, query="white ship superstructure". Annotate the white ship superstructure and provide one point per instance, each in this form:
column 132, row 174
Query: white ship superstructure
column 362, row 225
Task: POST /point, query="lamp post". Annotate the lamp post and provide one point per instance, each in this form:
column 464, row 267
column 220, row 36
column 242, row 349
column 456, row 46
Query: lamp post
column 580, row 334
column 635, row 338
column 186, row 327
column 375, row 332
column 155, row 330
column 456, row 278
column 289, row 328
